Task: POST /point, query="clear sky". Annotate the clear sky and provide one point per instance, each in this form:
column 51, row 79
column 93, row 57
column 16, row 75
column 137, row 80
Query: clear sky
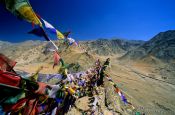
column 92, row 19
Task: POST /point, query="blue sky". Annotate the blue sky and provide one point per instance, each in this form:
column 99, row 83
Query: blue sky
column 92, row 19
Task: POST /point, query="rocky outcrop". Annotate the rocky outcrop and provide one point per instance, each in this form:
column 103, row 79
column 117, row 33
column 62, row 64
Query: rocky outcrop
column 113, row 101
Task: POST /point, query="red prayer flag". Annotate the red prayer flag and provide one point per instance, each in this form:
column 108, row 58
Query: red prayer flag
column 6, row 64
column 33, row 24
column 30, row 108
column 9, row 78
column 56, row 58
column 117, row 90
column 17, row 106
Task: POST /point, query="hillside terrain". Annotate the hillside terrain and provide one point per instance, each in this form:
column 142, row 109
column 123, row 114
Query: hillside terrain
column 111, row 47
column 144, row 71
column 158, row 52
column 162, row 46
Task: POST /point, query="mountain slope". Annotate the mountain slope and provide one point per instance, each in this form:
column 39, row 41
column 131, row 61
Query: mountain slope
column 162, row 47
column 148, row 87
column 4, row 45
column 103, row 47
column 14, row 50
column 111, row 47
column 159, row 53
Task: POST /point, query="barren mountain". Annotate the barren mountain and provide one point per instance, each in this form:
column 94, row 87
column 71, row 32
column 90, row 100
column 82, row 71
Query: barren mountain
column 4, row 45
column 33, row 51
column 147, row 81
column 159, row 52
column 162, row 47
column 111, row 47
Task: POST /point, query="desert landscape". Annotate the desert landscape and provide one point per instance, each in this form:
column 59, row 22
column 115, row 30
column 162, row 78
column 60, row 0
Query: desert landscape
column 143, row 70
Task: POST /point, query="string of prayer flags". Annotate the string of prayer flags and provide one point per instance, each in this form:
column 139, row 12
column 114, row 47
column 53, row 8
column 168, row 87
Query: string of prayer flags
column 23, row 10
column 52, row 29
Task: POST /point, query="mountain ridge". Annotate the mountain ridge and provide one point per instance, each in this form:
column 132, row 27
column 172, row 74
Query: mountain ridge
column 161, row 46
column 100, row 46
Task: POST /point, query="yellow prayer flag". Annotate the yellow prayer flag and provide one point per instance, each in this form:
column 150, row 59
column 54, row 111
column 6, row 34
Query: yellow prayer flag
column 59, row 35
column 28, row 14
